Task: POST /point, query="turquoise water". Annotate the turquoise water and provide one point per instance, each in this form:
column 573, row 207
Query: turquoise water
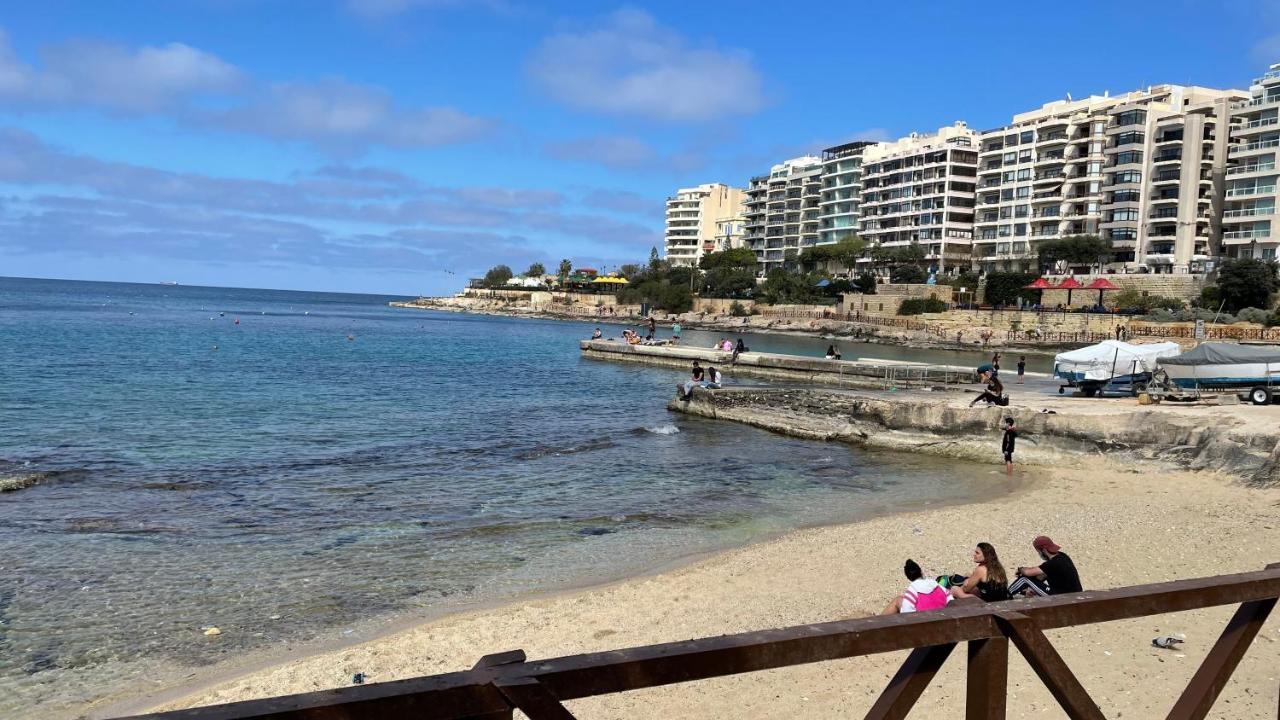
column 328, row 459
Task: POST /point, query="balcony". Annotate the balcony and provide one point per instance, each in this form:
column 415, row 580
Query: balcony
column 1256, row 167
column 1169, row 137
column 1054, row 137
column 1257, row 126
column 1251, row 191
column 1248, row 212
column 1254, row 147
column 1270, row 99
column 1246, row 235
column 1166, row 177
column 1167, row 157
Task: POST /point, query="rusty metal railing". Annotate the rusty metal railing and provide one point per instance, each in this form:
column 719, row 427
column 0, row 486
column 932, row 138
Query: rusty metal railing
column 504, row 682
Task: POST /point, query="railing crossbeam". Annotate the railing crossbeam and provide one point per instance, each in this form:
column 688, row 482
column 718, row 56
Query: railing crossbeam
column 909, row 682
column 1049, row 665
column 532, row 698
column 1212, row 676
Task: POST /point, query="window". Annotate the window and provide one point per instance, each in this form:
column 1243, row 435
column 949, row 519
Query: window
column 1020, row 230
column 1126, row 176
column 1006, row 194
column 1022, row 211
column 1024, row 192
column 1010, row 158
column 1005, row 230
column 1010, row 140
column 1268, row 253
column 1008, row 176
column 1120, row 196
column 1124, row 234
column 1123, row 215
column 1024, row 174
column 989, row 234
column 1026, row 137
column 1128, row 156
column 1132, row 137
column 1131, row 117
column 1024, row 156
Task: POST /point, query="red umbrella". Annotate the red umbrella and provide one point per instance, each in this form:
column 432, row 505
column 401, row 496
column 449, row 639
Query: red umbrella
column 1100, row 285
column 1040, row 284
column 1069, row 284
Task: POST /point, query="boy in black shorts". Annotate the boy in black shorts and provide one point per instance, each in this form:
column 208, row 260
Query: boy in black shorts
column 1006, row 444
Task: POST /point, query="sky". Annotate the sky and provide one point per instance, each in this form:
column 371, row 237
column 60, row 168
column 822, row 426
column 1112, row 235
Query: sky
column 403, row 146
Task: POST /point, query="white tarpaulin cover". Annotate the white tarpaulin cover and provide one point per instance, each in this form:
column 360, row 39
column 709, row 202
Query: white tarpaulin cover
column 1111, row 358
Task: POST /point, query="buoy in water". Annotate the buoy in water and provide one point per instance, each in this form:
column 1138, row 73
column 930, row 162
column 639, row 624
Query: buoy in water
column 212, row 631
column 350, row 338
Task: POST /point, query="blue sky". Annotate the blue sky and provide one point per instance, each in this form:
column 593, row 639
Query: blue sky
column 402, row 145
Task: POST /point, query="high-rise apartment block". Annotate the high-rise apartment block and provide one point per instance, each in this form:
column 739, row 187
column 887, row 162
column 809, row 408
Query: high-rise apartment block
column 1251, row 228
column 920, row 189
column 841, row 191
column 1143, row 170
column 693, row 220
column 782, row 211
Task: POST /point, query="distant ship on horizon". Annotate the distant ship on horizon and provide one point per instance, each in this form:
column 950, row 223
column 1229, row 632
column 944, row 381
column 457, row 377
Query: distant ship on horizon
column 168, row 282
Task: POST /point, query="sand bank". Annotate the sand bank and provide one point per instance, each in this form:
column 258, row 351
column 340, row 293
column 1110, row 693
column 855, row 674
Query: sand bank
column 1122, row 528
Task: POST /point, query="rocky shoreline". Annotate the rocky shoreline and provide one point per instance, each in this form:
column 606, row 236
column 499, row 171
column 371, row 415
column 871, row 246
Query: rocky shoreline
column 1058, row 432
column 756, row 324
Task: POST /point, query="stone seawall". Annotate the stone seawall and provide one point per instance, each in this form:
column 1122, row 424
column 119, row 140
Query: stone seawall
column 1227, row 439
column 794, row 368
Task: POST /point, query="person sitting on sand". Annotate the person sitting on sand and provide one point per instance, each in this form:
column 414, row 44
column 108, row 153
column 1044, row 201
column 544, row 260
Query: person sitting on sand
column 921, row 593
column 994, row 394
column 1056, row 575
column 988, row 580
column 832, row 353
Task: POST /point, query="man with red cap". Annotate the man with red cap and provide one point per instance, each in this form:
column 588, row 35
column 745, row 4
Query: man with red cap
column 1055, row 576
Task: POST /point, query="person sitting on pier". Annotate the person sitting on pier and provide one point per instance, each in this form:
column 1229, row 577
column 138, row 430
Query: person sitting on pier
column 988, row 580
column 695, row 379
column 596, row 335
column 921, row 594
column 738, row 350
column 1056, row 575
column 994, row 394
column 631, row 336
column 832, row 353
column 713, row 378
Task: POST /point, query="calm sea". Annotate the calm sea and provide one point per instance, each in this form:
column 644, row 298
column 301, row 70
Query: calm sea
column 288, row 465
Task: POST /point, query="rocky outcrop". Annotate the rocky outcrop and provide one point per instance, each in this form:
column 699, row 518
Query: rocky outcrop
column 9, row 483
column 1145, row 437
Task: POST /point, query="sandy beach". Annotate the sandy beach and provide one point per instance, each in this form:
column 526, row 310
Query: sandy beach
column 1121, row 527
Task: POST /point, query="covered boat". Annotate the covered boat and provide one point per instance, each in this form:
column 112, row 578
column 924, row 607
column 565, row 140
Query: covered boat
column 1227, row 366
column 1111, row 365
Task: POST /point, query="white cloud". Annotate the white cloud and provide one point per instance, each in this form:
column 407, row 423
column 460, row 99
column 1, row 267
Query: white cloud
column 334, row 111
column 145, row 79
column 631, row 65
column 174, row 79
column 611, row 150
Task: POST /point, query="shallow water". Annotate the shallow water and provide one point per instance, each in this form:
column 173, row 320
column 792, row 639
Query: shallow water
column 328, row 459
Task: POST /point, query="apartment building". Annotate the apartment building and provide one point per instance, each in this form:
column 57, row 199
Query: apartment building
column 693, row 220
column 1251, row 228
column 920, row 189
column 841, row 191
column 781, row 211
column 1143, row 170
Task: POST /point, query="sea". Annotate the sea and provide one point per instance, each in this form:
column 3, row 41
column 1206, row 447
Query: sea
column 301, row 467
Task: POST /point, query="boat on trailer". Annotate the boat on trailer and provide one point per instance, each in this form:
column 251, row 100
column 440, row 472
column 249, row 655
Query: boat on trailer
column 1252, row 371
column 1111, row 366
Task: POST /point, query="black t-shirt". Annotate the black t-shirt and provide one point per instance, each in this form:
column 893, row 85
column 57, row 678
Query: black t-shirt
column 1060, row 573
column 1010, row 437
column 1021, row 366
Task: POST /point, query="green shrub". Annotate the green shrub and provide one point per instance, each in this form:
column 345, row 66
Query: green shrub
column 916, row 306
column 1253, row 315
column 737, row 309
column 1004, row 288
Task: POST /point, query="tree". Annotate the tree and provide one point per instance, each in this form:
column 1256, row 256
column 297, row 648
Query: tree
column 729, row 273
column 565, row 269
column 1246, row 283
column 865, row 283
column 497, row 276
column 655, row 260
column 845, row 252
column 536, row 270
column 1074, row 250
column 1004, row 288
column 629, row 270
column 907, row 274
column 782, row 286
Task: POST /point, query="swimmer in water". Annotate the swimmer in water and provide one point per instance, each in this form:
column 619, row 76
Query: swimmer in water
column 350, row 338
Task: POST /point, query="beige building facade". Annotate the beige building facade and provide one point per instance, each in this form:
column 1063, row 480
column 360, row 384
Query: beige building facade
column 782, row 210
column 1251, row 226
column 838, row 206
column 920, row 189
column 696, row 216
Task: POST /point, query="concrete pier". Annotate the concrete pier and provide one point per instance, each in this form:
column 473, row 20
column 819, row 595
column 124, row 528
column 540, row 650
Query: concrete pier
column 858, row 373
